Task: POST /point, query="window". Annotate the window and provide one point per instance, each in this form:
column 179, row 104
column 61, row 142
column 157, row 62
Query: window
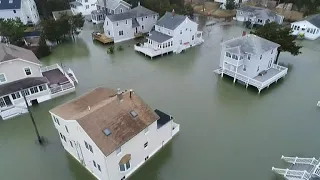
column 27, row 71
column 146, row 17
column 249, row 56
column 121, row 10
column 145, row 145
column 34, row 90
column 125, row 167
column 126, row 21
column 117, row 23
column 120, row 33
column 88, row 146
column 2, row 78
column 272, row 51
column 15, row 95
column 258, row 69
column 317, row 31
column 154, row 16
column 234, row 57
column 2, row 103
column 87, row 6
column 228, row 54
column 56, row 120
column 71, row 144
column 142, row 19
column 244, row 68
column 42, row 87
column 14, row 11
column 142, row 27
column 107, row 23
column 99, row 167
column 180, row 41
column 192, row 37
column 25, row 92
column 63, row 137
column 261, row 57
column 94, row 163
column 303, row 29
column 180, row 31
column 146, row 158
column 118, row 151
column 67, row 129
column 171, row 43
column 308, row 30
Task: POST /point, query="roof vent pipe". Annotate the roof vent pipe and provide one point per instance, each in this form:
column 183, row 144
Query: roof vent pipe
column 131, row 91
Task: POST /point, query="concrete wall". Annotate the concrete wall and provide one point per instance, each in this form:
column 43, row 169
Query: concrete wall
column 14, row 70
column 302, row 27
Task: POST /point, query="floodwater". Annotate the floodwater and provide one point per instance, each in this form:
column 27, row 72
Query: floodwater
column 227, row 132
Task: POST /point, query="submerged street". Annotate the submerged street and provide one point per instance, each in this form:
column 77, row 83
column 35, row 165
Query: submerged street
column 227, row 132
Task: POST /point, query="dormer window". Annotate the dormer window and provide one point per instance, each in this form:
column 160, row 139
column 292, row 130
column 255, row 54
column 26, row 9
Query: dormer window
column 249, row 56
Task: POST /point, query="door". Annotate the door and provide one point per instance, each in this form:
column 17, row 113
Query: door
column 136, row 29
column 7, row 100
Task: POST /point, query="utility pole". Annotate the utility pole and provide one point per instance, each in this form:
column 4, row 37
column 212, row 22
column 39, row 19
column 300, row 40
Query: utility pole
column 40, row 140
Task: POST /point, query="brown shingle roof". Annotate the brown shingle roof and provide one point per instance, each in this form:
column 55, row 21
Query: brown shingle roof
column 106, row 111
column 9, row 52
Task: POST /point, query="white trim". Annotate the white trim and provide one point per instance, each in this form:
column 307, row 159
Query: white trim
column 24, row 69
column 20, row 60
column 4, row 75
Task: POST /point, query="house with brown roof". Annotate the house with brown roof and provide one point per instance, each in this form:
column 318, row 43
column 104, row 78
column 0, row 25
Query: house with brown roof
column 21, row 73
column 112, row 133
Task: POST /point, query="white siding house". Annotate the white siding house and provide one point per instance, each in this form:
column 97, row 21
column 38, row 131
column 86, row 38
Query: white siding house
column 112, row 133
column 308, row 28
column 172, row 33
column 223, row 2
column 125, row 26
column 257, row 15
column 250, row 59
column 26, row 10
column 22, row 73
column 108, row 7
column 85, row 7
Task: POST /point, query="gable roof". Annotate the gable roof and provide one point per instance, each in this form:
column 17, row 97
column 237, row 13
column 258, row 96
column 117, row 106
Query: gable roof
column 9, row 52
column 258, row 12
column 170, row 21
column 251, row 44
column 113, row 4
column 25, row 83
column 158, row 36
column 101, row 109
column 16, row 4
column 138, row 11
column 314, row 19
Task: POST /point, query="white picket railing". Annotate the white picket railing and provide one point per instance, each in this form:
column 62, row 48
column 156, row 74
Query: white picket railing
column 297, row 160
column 292, row 173
column 61, row 88
column 175, row 128
column 51, row 67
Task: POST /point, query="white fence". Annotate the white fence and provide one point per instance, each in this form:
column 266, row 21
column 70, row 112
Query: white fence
column 297, row 160
column 61, row 88
column 294, row 174
column 51, row 67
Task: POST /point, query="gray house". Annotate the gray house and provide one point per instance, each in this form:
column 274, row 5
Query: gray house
column 125, row 26
column 250, row 59
column 108, row 7
column 21, row 73
column 257, row 15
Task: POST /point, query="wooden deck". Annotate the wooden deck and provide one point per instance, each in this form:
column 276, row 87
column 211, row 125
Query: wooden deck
column 101, row 38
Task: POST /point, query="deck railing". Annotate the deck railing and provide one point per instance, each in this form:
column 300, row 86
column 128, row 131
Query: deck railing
column 175, row 128
column 61, row 88
column 292, row 173
column 297, row 160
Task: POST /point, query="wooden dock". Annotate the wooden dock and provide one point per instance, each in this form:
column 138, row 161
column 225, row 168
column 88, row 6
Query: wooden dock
column 101, row 38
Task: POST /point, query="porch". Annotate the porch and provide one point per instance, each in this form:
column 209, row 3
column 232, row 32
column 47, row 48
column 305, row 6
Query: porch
column 261, row 81
column 60, row 82
column 150, row 51
column 98, row 16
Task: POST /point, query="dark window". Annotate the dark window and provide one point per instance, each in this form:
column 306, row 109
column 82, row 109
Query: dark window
column 164, row 118
column 27, row 71
column 42, row 87
column 34, row 90
column 146, row 145
column 128, row 165
column 14, row 11
column 142, row 27
column 67, row 129
column 86, row 144
column 15, row 95
column 120, row 33
column 261, row 57
column 146, row 158
column 122, row 168
column 94, row 164
column 71, row 144
column 99, row 167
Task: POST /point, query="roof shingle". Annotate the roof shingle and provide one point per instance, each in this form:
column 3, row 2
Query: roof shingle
column 171, row 21
column 314, row 19
column 9, row 52
column 158, row 36
column 101, row 109
column 16, row 4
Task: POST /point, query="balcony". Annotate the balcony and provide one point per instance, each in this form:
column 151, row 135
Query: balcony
column 234, row 62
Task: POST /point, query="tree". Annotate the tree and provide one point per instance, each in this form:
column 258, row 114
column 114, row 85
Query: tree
column 189, row 10
column 43, row 49
column 281, row 35
column 51, row 30
column 76, row 23
column 230, row 4
column 12, row 30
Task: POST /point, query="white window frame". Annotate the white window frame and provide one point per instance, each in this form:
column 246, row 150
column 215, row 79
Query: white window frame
column 35, row 87
column 44, row 87
column 121, row 10
column 24, row 69
column 5, row 78
column 16, row 94
column 125, row 167
column 146, row 145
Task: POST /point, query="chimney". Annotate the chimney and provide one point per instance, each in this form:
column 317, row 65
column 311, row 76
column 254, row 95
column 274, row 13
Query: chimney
column 139, row 3
column 131, row 91
column 105, row 6
column 172, row 13
column 119, row 95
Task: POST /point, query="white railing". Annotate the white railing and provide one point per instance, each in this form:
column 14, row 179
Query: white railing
column 234, row 62
column 317, row 171
column 61, row 88
column 73, row 75
column 292, row 173
column 51, row 67
column 297, row 160
column 243, row 78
